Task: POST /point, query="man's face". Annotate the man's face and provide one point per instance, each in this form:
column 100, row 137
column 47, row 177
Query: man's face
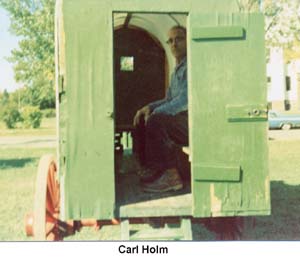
column 177, row 43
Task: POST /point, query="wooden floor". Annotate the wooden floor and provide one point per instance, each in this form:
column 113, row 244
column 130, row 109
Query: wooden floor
column 133, row 202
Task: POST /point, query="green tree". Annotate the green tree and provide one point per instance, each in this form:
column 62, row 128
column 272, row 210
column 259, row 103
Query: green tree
column 31, row 116
column 282, row 23
column 282, row 19
column 248, row 5
column 33, row 21
column 4, row 98
column 11, row 116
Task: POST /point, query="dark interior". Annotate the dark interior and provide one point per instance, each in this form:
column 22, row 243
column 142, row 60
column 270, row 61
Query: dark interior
column 145, row 83
column 140, row 82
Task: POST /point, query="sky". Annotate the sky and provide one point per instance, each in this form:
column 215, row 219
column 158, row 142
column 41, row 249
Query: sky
column 8, row 42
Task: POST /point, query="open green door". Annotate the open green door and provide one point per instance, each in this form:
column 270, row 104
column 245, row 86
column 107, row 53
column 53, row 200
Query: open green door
column 86, row 106
column 228, row 115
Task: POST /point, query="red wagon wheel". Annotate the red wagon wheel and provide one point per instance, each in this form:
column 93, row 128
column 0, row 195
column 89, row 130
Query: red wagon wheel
column 46, row 202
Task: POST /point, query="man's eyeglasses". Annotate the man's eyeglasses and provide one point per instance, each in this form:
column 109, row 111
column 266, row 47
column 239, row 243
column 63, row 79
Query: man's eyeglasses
column 170, row 41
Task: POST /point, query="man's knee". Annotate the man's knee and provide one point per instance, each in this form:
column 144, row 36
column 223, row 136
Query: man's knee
column 157, row 120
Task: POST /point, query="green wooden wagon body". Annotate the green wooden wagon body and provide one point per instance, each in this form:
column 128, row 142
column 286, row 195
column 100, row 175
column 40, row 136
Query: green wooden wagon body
column 227, row 108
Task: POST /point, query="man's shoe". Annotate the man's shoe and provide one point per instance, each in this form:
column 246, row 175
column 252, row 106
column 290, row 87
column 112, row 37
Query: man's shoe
column 169, row 181
column 148, row 175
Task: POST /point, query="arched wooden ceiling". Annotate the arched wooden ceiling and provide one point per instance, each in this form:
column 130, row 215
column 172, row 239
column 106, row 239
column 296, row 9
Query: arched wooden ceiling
column 157, row 25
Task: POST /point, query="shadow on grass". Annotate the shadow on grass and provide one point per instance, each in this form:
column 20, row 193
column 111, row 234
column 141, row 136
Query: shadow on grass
column 282, row 224
column 15, row 163
column 284, row 221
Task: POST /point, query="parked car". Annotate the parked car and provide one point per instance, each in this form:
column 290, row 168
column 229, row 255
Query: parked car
column 283, row 121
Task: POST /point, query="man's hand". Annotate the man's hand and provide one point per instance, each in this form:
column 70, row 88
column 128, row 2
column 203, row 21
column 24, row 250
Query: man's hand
column 145, row 111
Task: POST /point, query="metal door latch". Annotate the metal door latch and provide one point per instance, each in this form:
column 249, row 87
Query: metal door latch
column 255, row 112
column 239, row 113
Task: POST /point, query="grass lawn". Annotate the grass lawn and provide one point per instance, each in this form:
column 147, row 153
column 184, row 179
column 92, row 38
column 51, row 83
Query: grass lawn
column 284, row 222
column 18, row 169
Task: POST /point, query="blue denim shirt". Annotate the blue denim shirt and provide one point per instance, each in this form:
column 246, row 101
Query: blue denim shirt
column 176, row 99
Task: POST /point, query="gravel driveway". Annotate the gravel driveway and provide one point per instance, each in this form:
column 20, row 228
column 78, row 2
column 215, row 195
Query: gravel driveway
column 50, row 141
column 28, row 141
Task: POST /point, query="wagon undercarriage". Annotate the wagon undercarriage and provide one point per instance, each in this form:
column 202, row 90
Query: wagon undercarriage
column 161, row 216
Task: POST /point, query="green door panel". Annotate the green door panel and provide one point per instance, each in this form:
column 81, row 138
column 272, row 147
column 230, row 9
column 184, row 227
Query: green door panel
column 227, row 112
column 87, row 142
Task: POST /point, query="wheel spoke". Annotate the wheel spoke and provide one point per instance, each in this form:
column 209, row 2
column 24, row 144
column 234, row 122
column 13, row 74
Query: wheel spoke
column 53, row 187
column 49, row 228
column 51, row 237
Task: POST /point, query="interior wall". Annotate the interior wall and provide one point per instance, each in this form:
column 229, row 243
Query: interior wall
column 157, row 25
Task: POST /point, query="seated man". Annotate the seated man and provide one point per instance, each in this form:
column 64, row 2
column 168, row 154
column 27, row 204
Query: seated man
column 166, row 124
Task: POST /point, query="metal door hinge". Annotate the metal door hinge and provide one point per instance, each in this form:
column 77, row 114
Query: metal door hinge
column 61, row 89
column 110, row 114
